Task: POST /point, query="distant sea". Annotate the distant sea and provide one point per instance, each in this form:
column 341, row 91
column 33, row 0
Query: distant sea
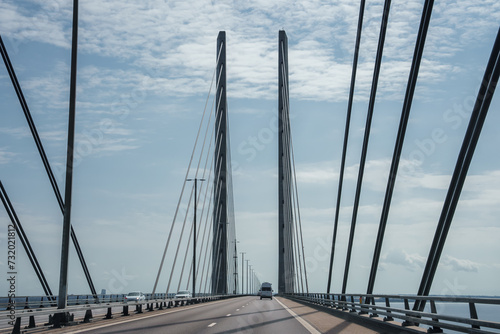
column 486, row 312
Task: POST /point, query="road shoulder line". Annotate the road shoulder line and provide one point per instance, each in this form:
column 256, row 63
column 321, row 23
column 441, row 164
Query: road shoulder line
column 304, row 323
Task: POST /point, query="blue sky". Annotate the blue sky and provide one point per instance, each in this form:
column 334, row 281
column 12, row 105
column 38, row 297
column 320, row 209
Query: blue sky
column 144, row 71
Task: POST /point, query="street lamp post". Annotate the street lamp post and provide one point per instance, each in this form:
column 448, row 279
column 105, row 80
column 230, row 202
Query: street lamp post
column 242, row 271
column 252, row 286
column 194, row 231
column 248, row 266
column 235, row 272
column 249, row 280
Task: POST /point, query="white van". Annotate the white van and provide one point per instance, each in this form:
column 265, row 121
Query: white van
column 266, row 291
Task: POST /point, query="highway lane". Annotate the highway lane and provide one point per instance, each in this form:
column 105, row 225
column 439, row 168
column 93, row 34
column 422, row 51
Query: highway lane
column 236, row 315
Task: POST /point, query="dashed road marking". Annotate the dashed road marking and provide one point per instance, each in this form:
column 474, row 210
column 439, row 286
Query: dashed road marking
column 185, row 308
column 228, row 315
column 237, row 309
column 212, row 324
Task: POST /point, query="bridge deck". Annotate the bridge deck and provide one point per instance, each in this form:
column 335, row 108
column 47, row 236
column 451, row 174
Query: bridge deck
column 236, row 315
column 333, row 321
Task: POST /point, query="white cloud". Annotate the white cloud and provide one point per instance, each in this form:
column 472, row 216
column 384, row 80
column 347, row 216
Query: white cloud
column 413, row 262
column 18, row 133
column 321, row 173
column 176, row 40
column 46, row 23
column 460, row 264
column 6, row 156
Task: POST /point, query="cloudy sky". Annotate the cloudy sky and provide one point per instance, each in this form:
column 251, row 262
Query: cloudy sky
column 144, row 71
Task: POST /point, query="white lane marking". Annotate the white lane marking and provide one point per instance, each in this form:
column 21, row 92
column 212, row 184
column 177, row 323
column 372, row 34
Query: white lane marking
column 185, row 308
column 237, row 309
column 212, row 324
column 228, row 315
column 304, row 323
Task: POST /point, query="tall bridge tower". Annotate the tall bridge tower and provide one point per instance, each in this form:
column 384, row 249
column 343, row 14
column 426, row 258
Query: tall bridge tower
column 286, row 273
column 219, row 256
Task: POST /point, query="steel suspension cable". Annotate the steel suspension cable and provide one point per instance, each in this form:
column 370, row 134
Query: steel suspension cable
column 294, row 182
column 45, row 160
column 186, row 254
column 294, row 193
column 299, row 216
column 24, row 240
column 205, row 229
column 207, row 189
column 346, row 139
column 197, row 195
column 479, row 112
column 289, row 263
column 398, row 148
column 179, row 243
column 207, row 254
column 209, row 271
column 184, row 182
column 204, row 201
column 233, row 256
column 185, row 219
column 371, row 104
column 209, row 236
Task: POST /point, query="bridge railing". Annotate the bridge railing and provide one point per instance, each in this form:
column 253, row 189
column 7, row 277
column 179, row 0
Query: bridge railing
column 439, row 311
column 13, row 310
column 35, row 302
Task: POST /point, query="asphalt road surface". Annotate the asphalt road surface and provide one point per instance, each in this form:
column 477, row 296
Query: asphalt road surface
column 236, row 315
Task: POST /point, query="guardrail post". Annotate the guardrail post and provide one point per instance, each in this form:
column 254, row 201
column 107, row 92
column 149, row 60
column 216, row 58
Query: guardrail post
column 374, row 308
column 88, row 316
column 109, row 315
column 353, row 309
column 473, row 314
column 407, row 307
column 17, row 327
column 125, row 311
column 138, row 308
column 32, row 322
column 363, row 310
column 344, row 302
column 434, row 329
column 387, row 304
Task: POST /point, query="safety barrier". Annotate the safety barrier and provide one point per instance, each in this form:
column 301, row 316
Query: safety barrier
column 426, row 310
column 22, row 307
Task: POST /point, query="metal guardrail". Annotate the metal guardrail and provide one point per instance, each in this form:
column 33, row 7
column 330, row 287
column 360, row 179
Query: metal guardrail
column 376, row 306
column 30, row 306
column 30, row 302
